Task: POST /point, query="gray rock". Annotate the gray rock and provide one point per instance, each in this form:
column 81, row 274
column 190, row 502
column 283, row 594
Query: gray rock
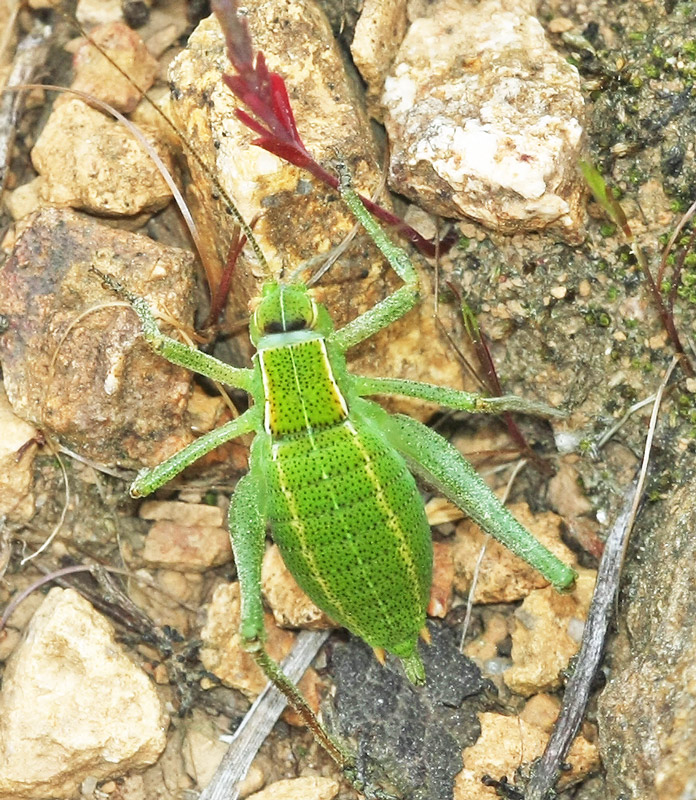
column 647, row 713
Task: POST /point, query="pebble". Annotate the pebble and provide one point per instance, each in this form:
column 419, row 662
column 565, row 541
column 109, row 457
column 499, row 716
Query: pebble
column 545, row 637
column 96, row 76
column 308, row 788
column 92, row 162
column 73, row 705
column 505, row 744
column 17, row 451
column 222, row 652
column 290, row 605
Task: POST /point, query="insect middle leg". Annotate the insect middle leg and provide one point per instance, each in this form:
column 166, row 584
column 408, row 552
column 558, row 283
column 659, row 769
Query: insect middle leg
column 178, row 352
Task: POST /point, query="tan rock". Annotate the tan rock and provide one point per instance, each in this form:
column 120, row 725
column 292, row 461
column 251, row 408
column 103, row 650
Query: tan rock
column 541, row 710
column 73, row 705
column 222, row 651
column 443, row 579
column 253, row 782
column 98, row 12
column 504, row 745
column 378, row 35
column 564, row 493
column 290, row 605
column 202, row 749
column 476, row 129
column 439, row 510
column 87, row 376
column 504, row 577
column 309, row 788
column 17, row 450
column 166, row 602
column 187, row 548
column 485, row 647
column 96, row 76
column 25, row 199
column 547, row 635
column 183, row 513
column 91, row 162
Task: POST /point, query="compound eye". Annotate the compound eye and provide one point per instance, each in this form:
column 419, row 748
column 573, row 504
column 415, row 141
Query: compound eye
column 275, row 326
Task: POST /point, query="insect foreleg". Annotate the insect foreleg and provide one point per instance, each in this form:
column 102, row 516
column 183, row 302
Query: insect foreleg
column 398, row 303
column 441, row 465
column 149, row 480
column 178, row 352
column 452, row 398
column 247, row 524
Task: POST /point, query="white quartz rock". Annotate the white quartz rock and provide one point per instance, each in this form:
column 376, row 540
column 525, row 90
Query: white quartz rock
column 485, row 119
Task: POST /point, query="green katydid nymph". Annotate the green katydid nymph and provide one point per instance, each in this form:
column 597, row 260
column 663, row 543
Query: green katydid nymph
column 331, row 472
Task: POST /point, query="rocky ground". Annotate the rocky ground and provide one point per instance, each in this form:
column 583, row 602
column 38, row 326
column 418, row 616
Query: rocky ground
column 120, row 682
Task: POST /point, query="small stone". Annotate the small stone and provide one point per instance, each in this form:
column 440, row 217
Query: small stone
column 9, row 639
column 541, row 710
column 165, row 605
column 202, row 749
column 504, row 577
column 18, row 446
column 560, row 25
column 98, row 12
column 73, row 705
column 565, row 494
column 584, row 288
column 547, row 635
column 222, row 652
column 504, row 745
column 378, row 35
column 91, row 162
column 658, row 341
column 96, row 76
column 443, row 579
column 485, row 647
column 254, row 781
column 25, row 199
column 309, row 788
column 290, row 605
column 559, row 292
column 186, row 548
column 438, row 510
column 183, row 513
column 476, row 128
column 161, row 675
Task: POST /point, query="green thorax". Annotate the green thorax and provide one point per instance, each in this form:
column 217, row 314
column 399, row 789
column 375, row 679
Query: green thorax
column 300, row 390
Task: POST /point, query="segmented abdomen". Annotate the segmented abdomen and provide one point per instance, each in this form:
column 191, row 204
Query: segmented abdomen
column 351, row 526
